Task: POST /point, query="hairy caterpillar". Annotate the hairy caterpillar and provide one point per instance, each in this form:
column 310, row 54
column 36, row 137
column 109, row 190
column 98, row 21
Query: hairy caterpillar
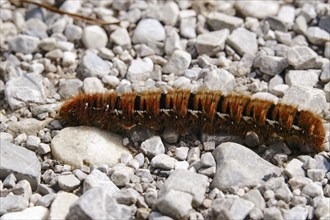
column 209, row 110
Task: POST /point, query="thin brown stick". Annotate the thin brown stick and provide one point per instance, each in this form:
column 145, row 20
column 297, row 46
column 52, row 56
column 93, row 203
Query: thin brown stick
column 74, row 16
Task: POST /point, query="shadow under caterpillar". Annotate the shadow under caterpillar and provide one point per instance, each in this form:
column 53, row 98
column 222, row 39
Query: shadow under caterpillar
column 209, row 110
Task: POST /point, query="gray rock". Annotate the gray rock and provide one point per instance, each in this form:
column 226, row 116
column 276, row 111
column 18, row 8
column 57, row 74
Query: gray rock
column 231, row 208
column 256, row 198
column 28, row 167
column 92, row 65
column 121, row 175
column 211, row 43
column 256, row 213
column 10, row 181
column 240, row 35
column 181, row 153
column 257, row 9
column 54, row 54
column 175, row 204
column 316, row 174
column 325, row 75
column 12, row 203
column 283, row 37
column 153, row 146
column 305, row 98
column 90, row 145
column 151, row 196
column 302, row 57
column 312, row 190
column 178, row 63
column 48, row 44
column 317, row 36
column 272, row 213
column 97, row 203
column 322, row 209
column 99, row 179
column 29, row 126
column 220, row 21
column 235, row 159
column 140, row 69
column 294, row 168
column 184, row 165
column 43, row 149
column 73, row 32
column 121, row 37
column 298, row 182
column 25, row 89
column 245, row 64
column 193, row 154
column 188, row 27
column 68, row 182
column 93, row 85
column 69, row 87
column 307, row 78
column 94, row 37
column 188, row 23
column 163, row 161
column 324, row 23
column 322, row 163
column 300, row 25
column 271, row 65
column 276, row 24
column 172, row 42
column 188, row 186
column 148, row 30
column 220, row 79
column 112, row 81
column 36, row 213
column 69, row 58
column 327, row 50
column 326, row 90
column 207, row 160
column 287, row 15
column 23, row 44
column 32, row 142
column 60, row 206
column 283, row 193
column 127, row 196
column 46, row 200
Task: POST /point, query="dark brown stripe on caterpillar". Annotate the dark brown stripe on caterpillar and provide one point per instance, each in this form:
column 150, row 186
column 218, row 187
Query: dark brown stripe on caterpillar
column 209, row 110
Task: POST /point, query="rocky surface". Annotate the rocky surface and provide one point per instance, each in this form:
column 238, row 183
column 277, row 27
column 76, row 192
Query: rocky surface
column 273, row 50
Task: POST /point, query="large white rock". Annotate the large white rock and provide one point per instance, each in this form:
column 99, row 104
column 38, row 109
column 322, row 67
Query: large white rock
column 79, row 146
column 61, row 205
column 33, row 213
column 148, row 30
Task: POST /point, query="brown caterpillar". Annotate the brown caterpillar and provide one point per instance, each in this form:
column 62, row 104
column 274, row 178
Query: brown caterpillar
column 209, row 110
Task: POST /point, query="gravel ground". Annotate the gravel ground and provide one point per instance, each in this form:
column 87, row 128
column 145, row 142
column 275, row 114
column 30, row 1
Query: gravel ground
column 275, row 50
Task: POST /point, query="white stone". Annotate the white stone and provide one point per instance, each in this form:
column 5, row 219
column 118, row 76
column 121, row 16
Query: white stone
column 31, row 213
column 307, row 78
column 140, row 69
column 240, row 35
column 92, row 85
column 257, row 8
column 311, row 99
column 90, row 145
column 61, row 205
column 178, row 63
column 94, row 37
column 211, row 43
column 148, row 30
column 120, row 37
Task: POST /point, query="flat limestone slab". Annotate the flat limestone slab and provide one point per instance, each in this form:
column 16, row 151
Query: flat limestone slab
column 77, row 146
